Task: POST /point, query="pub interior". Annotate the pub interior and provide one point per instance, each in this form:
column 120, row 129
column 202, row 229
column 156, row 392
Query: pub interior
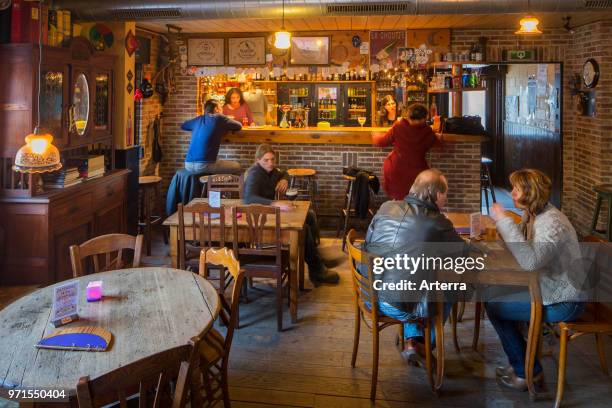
column 179, row 179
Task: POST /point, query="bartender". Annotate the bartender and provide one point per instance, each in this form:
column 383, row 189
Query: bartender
column 236, row 107
column 388, row 113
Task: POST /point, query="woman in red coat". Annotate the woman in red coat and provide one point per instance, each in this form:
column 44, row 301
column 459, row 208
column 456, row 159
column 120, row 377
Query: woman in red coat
column 411, row 139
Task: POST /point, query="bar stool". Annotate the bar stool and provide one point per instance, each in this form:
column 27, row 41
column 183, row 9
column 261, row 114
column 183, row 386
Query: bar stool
column 148, row 187
column 604, row 192
column 486, row 185
column 348, row 210
column 304, row 180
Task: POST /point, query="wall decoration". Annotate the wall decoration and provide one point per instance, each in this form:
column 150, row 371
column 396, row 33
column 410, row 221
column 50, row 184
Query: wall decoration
column 131, row 43
column 205, row 51
column 101, row 36
column 422, row 55
column 247, row 51
column 384, row 45
column 310, row 50
column 437, row 40
column 356, row 40
column 590, row 73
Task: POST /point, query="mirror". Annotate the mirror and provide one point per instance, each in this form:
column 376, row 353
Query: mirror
column 80, row 102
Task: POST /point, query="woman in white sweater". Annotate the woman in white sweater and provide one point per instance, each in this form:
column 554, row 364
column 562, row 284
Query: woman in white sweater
column 546, row 241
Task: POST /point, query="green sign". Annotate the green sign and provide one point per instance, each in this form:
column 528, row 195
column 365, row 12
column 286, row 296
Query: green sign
column 521, row 55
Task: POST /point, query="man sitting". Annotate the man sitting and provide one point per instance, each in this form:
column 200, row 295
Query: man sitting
column 263, row 181
column 416, row 228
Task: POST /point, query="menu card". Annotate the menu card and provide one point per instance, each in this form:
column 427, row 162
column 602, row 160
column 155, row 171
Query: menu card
column 65, row 303
column 214, row 199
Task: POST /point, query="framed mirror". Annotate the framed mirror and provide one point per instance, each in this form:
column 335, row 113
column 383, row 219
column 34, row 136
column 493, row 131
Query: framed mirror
column 80, row 103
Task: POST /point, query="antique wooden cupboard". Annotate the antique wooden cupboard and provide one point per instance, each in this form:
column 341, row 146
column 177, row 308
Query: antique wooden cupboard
column 39, row 224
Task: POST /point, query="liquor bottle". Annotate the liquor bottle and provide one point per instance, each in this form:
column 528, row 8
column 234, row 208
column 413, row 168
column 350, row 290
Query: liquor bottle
column 433, row 110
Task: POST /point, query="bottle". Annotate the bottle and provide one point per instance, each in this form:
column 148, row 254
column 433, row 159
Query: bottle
column 433, row 110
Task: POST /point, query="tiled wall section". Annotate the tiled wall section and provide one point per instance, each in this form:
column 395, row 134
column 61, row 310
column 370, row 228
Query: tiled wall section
column 587, row 142
column 150, row 107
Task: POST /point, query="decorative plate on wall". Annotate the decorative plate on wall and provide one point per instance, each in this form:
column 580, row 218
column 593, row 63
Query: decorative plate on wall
column 590, row 73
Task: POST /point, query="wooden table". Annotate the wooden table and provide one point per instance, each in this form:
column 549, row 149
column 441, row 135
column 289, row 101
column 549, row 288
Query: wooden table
column 501, row 268
column 147, row 310
column 292, row 234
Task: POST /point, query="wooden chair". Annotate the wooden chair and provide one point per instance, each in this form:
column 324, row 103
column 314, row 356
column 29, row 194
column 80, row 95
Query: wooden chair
column 148, row 379
column 214, row 349
column 108, row 246
column 202, row 236
column 260, row 258
column 365, row 297
column 230, row 185
column 596, row 320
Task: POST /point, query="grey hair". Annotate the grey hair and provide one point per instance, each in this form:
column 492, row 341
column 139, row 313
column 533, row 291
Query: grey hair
column 428, row 184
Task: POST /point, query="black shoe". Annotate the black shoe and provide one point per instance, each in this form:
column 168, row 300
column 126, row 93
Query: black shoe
column 324, row 276
column 332, row 263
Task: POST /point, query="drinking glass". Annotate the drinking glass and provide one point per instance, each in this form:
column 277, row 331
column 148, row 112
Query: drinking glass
column 361, row 120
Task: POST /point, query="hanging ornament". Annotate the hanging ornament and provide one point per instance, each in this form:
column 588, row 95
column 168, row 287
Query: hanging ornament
column 356, row 41
column 131, row 43
column 137, row 95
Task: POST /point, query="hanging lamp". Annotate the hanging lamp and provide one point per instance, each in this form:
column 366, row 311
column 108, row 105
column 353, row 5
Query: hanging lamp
column 38, row 155
column 282, row 39
column 529, row 24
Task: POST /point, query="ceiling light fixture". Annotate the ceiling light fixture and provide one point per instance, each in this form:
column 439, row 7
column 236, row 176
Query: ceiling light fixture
column 38, row 155
column 529, row 24
column 282, row 39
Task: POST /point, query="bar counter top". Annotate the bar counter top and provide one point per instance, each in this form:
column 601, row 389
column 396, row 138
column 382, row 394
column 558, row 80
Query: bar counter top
column 316, row 135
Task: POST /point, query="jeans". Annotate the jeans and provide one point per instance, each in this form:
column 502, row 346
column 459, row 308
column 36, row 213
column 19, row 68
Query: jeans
column 506, row 311
column 218, row 167
column 411, row 330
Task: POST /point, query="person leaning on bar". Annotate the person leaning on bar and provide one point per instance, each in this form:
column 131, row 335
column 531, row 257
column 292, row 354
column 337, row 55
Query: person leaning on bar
column 263, row 181
column 544, row 240
column 206, row 133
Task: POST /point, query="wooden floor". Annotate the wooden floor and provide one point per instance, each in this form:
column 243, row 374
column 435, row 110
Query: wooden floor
column 308, row 364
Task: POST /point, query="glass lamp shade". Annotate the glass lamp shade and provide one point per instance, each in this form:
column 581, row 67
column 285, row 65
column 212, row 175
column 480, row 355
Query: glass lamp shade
column 282, row 40
column 529, row 25
column 38, row 155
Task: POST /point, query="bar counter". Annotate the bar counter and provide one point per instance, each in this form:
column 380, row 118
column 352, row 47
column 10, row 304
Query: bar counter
column 318, row 135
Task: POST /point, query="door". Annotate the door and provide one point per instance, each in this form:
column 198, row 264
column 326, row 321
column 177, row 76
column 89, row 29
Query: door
column 102, row 114
column 328, row 108
column 301, row 99
column 356, row 104
column 62, row 243
column 54, row 101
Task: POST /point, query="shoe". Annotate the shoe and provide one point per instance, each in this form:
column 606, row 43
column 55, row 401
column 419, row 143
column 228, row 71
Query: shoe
column 518, row 383
column 331, row 263
column 324, row 276
column 502, row 371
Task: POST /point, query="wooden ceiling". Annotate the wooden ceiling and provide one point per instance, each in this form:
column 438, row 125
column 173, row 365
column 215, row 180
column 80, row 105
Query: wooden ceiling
column 549, row 20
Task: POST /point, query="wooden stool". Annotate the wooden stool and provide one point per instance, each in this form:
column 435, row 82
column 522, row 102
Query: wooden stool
column 486, row 185
column 604, row 191
column 148, row 187
column 348, row 210
column 304, row 181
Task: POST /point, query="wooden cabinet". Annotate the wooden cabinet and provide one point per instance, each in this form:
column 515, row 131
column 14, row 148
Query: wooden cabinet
column 39, row 230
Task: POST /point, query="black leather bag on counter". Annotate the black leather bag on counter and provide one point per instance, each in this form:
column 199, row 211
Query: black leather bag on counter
column 464, row 125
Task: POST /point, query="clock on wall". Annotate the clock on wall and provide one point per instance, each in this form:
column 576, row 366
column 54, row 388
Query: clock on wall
column 590, row 73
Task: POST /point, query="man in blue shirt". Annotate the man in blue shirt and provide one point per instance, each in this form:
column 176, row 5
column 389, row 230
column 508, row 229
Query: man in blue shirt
column 206, row 133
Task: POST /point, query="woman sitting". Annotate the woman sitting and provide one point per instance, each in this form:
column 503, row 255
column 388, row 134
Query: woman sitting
column 236, row 108
column 544, row 240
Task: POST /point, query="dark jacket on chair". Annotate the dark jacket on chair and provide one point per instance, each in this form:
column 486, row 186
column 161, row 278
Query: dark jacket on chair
column 415, row 228
column 184, row 187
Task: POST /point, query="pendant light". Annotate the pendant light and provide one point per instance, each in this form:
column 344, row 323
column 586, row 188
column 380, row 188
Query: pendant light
column 282, row 39
column 38, row 155
column 529, row 24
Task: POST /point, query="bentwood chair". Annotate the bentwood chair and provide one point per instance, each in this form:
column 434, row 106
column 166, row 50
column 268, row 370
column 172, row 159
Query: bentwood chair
column 264, row 255
column 148, row 379
column 106, row 252
column 597, row 318
column 202, row 235
column 230, row 185
column 214, row 348
column 365, row 297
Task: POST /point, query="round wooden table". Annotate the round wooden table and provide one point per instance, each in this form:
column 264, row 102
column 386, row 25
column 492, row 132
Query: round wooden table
column 147, row 310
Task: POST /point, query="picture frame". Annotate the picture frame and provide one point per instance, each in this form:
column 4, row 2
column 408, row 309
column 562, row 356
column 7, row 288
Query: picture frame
column 310, row 50
column 246, row 51
column 206, row 51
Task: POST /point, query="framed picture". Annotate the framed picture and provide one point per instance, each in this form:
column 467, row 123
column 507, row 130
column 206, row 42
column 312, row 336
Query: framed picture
column 310, row 50
column 247, row 51
column 205, row 51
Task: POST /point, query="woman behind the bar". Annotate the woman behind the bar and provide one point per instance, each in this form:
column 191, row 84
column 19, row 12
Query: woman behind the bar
column 411, row 139
column 544, row 240
column 236, row 107
column 389, row 113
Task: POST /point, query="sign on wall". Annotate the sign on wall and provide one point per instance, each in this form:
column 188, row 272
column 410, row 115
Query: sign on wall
column 384, row 47
column 437, row 40
column 247, row 51
column 205, row 51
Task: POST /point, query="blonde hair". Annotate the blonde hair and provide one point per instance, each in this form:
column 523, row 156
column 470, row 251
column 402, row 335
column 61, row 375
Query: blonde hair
column 535, row 186
column 262, row 149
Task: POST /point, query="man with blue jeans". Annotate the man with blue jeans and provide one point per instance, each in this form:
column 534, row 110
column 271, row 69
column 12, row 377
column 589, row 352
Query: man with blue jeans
column 413, row 227
column 207, row 131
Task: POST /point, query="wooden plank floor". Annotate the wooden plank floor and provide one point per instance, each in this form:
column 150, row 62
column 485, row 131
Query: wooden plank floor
column 308, row 364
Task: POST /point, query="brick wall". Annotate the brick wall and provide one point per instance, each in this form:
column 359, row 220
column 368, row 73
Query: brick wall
column 149, row 109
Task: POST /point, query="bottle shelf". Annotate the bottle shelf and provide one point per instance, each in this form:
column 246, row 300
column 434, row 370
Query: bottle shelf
column 449, row 63
column 447, row 90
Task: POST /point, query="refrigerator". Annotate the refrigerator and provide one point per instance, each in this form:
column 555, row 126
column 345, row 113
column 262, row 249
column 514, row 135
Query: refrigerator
column 298, row 96
column 329, row 103
column 356, row 104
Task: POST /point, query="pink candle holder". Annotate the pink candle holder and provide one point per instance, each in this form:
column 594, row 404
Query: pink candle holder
column 94, row 291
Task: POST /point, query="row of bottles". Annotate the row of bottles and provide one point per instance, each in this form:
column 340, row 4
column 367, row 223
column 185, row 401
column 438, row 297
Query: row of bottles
column 444, row 80
column 327, row 104
column 327, row 114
